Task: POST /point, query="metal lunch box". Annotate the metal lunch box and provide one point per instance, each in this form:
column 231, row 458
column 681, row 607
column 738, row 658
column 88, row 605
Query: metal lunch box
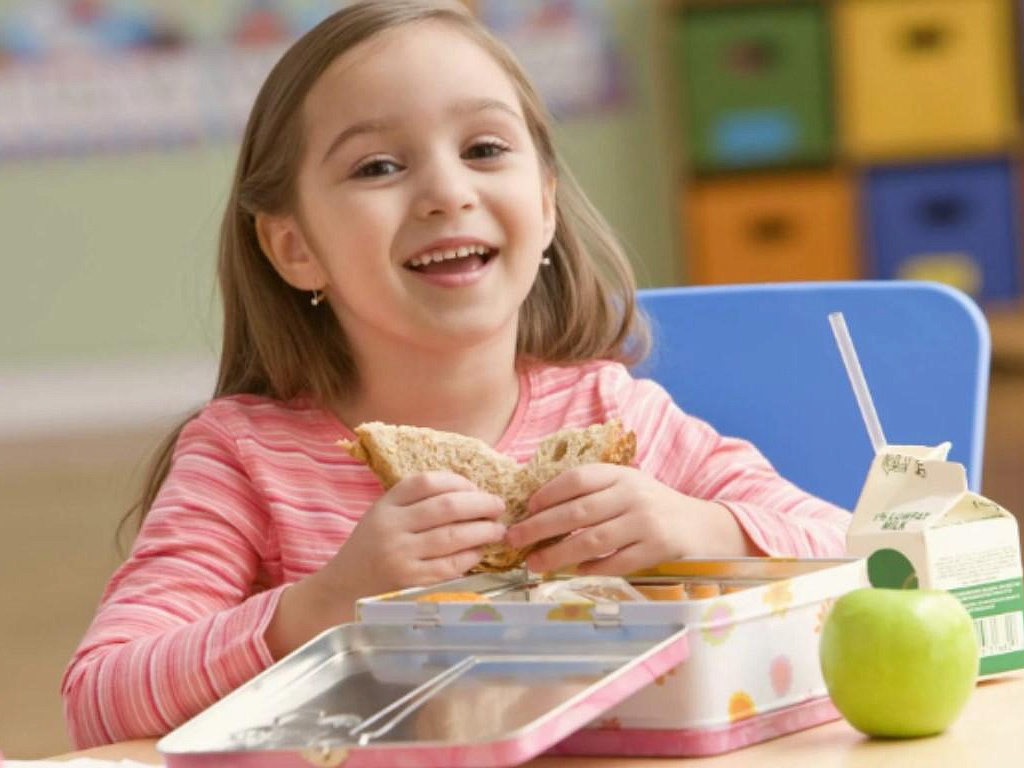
column 494, row 677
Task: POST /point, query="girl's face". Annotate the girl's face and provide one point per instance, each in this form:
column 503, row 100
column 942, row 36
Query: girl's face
column 423, row 205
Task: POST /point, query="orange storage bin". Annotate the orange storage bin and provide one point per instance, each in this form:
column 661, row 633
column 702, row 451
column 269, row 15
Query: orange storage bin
column 924, row 76
column 772, row 228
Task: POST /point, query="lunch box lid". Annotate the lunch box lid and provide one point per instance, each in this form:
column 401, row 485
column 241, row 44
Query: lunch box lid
column 480, row 694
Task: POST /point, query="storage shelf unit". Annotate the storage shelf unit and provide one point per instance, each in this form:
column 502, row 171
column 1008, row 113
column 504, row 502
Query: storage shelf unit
column 832, row 139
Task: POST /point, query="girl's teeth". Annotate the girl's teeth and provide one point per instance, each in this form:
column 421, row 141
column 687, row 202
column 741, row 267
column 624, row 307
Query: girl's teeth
column 457, row 253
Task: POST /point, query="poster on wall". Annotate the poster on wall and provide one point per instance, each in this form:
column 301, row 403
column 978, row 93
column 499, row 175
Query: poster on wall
column 80, row 76
column 86, row 76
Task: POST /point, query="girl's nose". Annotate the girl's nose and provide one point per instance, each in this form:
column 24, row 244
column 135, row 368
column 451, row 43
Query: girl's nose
column 445, row 189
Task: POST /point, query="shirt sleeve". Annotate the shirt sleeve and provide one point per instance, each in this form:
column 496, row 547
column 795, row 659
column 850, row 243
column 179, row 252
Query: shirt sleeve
column 687, row 454
column 178, row 626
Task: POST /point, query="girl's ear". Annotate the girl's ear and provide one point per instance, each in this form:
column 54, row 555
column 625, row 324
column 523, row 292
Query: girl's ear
column 286, row 248
column 549, row 209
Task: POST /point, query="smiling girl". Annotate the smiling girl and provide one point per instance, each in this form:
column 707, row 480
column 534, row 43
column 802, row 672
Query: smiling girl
column 401, row 244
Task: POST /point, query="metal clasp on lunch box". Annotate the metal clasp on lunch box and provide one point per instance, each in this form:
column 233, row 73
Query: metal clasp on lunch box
column 607, row 615
column 427, row 615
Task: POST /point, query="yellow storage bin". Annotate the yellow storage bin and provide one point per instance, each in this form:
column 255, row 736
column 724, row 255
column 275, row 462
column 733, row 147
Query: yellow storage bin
column 771, row 228
column 924, row 76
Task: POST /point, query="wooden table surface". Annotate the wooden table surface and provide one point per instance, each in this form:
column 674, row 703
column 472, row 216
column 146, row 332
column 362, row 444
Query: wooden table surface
column 990, row 732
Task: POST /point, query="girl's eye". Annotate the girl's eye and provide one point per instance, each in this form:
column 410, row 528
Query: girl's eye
column 376, row 167
column 484, row 150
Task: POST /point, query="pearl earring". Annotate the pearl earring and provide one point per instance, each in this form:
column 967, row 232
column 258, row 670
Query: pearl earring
column 545, row 261
column 318, row 296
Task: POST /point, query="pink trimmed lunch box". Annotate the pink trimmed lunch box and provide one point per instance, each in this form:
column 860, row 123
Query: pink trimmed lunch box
column 479, row 672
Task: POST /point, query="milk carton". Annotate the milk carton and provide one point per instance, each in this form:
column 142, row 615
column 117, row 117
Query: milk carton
column 918, row 525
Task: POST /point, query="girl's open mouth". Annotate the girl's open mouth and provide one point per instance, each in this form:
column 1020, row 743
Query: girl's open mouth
column 452, row 261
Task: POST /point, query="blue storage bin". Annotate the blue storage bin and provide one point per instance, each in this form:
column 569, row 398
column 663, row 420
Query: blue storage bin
column 955, row 223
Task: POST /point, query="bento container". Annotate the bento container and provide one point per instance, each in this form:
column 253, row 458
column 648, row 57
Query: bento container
column 752, row 672
column 428, row 695
column 479, row 672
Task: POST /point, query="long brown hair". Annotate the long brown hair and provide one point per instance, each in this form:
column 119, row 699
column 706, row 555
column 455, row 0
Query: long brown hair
column 581, row 307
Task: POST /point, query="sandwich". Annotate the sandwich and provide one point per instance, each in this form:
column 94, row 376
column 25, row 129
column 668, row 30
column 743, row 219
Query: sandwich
column 394, row 452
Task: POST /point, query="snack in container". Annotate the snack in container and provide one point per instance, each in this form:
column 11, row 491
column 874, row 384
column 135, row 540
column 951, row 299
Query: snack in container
column 662, row 591
column 453, row 597
column 587, row 589
column 702, row 590
column 734, row 586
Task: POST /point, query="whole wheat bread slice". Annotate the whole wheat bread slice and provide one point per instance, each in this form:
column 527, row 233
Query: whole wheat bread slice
column 394, row 452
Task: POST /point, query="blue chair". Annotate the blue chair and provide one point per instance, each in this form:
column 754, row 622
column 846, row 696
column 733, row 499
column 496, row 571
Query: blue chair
column 761, row 362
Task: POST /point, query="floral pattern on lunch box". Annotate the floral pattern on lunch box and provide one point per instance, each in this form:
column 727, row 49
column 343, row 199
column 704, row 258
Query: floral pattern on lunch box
column 753, row 652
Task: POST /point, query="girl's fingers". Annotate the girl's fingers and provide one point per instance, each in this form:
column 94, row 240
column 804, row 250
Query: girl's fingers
column 593, row 543
column 447, row 540
column 448, row 567
column 570, row 515
column 578, row 481
column 619, row 563
column 423, row 485
column 451, row 507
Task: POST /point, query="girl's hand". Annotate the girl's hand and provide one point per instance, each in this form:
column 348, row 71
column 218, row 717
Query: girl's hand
column 620, row 520
column 427, row 528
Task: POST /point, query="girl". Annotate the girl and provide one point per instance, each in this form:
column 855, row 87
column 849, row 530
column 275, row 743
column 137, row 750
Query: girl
column 401, row 244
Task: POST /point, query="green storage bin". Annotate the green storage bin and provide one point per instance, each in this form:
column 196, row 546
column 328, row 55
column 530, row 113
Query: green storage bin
column 757, row 84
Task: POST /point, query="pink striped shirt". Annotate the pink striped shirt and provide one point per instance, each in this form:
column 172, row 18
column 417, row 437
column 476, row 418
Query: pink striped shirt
column 259, row 496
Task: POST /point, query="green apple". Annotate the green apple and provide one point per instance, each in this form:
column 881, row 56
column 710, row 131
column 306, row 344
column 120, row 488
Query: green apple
column 899, row 662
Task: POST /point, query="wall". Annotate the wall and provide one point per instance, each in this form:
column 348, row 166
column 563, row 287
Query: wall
column 109, row 259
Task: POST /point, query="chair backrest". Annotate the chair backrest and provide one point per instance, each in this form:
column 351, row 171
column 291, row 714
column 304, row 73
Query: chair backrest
column 761, row 362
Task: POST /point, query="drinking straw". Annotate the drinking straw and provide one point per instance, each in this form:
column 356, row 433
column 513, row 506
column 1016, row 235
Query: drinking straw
column 857, row 380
